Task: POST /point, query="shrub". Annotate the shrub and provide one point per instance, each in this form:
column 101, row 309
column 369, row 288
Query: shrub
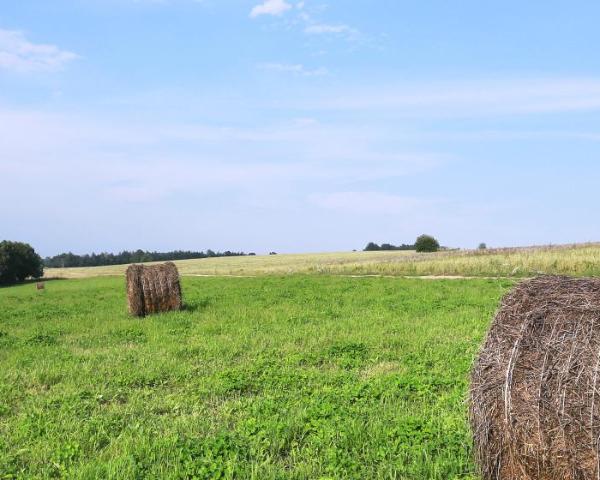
column 426, row 243
column 482, row 246
column 18, row 261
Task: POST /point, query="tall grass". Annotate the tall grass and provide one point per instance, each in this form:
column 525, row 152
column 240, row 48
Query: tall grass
column 580, row 260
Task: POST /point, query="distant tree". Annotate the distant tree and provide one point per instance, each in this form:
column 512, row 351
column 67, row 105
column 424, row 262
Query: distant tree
column 272, row 253
column 426, row 243
column 372, row 247
column 252, row 254
column 18, row 261
column 482, row 246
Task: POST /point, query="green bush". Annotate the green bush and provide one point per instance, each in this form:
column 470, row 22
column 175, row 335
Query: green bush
column 18, row 261
column 426, row 243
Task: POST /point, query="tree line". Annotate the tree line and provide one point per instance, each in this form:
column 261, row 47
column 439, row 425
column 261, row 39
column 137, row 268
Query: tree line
column 66, row 260
column 374, row 247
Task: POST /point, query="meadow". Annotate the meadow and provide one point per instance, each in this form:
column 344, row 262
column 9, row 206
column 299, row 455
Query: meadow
column 273, row 377
column 579, row 260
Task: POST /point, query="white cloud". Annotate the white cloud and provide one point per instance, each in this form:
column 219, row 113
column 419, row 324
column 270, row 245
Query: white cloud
column 297, row 69
column 270, row 7
column 20, row 55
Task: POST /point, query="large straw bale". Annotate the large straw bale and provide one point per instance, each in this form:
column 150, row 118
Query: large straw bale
column 535, row 389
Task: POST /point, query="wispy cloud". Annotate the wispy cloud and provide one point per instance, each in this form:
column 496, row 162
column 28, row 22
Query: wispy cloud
column 207, row 154
column 296, row 69
column 314, row 26
column 367, row 202
column 324, row 28
column 20, row 55
column 304, row 18
column 270, row 7
column 511, row 96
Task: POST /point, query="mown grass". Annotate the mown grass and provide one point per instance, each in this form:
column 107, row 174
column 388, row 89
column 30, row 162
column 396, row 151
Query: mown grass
column 579, row 260
column 265, row 378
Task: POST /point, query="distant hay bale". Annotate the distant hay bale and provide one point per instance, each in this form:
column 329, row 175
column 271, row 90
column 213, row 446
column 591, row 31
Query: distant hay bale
column 153, row 289
column 535, row 388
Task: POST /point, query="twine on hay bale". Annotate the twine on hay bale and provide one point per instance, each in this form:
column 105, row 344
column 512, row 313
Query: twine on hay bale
column 535, row 388
column 153, row 289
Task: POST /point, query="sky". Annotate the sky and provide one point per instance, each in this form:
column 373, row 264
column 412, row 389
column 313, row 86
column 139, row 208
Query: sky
column 297, row 125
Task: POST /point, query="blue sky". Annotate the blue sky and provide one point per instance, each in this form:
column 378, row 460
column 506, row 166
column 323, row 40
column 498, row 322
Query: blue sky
column 297, row 125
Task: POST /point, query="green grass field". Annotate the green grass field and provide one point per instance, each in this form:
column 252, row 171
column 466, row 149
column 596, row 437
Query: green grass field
column 580, row 259
column 293, row 377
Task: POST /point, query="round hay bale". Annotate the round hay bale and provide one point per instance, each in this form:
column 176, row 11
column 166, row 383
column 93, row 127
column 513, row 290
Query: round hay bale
column 135, row 293
column 153, row 289
column 535, row 389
